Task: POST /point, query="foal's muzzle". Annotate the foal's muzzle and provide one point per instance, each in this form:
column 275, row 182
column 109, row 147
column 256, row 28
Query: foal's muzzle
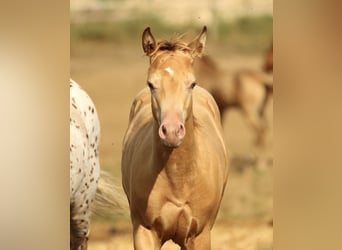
column 172, row 133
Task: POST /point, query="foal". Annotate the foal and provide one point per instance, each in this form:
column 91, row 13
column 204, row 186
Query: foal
column 174, row 163
column 247, row 90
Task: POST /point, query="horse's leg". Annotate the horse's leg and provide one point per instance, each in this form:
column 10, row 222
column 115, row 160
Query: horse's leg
column 200, row 242
column 145, row 239
column 255, row 123
column 80, row 214
column 251, row 108
column 251, row 99
column 262, row 113
column 79, row 226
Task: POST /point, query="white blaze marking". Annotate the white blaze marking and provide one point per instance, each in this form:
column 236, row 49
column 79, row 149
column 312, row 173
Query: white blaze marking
column 170, row 71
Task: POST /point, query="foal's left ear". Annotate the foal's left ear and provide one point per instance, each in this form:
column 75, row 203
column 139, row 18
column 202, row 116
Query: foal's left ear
column 148, row 41
column 198, row 44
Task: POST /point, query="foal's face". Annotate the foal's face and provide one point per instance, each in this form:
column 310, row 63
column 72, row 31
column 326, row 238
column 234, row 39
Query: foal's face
column 171, row 81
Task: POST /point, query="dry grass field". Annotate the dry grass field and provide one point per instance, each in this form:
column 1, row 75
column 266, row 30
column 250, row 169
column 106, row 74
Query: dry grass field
column 112, row 74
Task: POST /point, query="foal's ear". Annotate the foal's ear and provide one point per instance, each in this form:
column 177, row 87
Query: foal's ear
column 148, row 42
column 198, row 44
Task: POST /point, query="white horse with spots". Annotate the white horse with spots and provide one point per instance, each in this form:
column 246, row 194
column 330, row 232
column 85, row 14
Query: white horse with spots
column 84, row 163
column 86, row 186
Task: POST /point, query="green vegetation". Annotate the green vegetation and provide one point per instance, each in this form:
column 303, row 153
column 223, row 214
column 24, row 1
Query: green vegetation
column 121, row 31
column 246, row 34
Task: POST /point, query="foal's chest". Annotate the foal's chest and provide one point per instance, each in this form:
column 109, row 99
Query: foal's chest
column 176, row 222
column 176, row 211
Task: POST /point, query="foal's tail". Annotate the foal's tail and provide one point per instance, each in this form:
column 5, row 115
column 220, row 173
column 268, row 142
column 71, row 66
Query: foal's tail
column 109, row 198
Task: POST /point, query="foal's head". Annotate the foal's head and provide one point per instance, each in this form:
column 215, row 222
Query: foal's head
column 171, row 81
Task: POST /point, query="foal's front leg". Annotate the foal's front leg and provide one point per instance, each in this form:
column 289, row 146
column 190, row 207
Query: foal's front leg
column 145, row 239
column 200, row 242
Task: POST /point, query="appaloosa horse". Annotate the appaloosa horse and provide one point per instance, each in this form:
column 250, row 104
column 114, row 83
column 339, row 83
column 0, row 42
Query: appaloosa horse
column 91, row 190
column 174, row 161
column 84, row 163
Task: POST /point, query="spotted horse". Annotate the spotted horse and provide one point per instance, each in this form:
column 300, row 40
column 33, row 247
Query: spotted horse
column 91, row 189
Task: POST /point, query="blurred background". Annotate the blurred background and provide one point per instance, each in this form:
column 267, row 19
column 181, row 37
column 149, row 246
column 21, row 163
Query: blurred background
column 107, row 60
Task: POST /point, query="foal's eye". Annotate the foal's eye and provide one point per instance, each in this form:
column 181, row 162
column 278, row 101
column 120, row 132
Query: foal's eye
column 193, row 85
column 151, row 86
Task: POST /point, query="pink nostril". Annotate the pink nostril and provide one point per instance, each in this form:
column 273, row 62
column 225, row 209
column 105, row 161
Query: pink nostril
column 181, row 131
column 172, row 132
column 164, row 130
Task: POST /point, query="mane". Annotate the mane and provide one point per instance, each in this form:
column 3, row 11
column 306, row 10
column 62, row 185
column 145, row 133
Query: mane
column 172, row 45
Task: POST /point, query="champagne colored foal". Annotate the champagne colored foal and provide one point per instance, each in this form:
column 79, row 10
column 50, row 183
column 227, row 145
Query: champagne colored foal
column 174, row 161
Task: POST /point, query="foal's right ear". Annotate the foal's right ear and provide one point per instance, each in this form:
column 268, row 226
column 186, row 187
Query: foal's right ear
column 198, row 44
column 148, row 42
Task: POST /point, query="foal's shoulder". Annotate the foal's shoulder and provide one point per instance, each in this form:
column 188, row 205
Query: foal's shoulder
column 140, row 101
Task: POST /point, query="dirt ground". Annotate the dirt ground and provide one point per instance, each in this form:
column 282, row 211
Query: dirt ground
column 112, row 75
